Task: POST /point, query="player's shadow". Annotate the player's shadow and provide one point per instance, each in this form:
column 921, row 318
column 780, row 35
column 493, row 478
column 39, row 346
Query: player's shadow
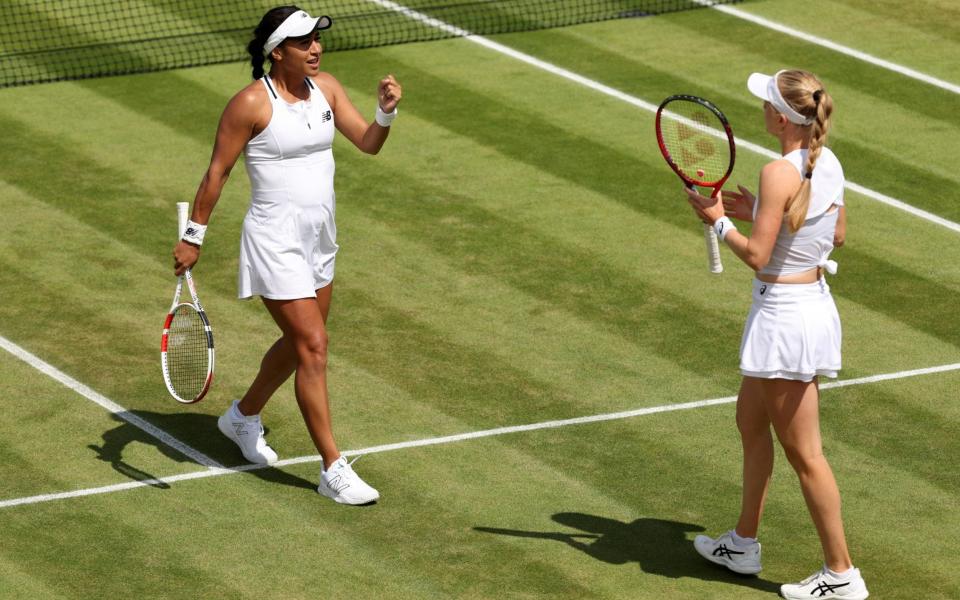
column 659, row 547
column 196, row 430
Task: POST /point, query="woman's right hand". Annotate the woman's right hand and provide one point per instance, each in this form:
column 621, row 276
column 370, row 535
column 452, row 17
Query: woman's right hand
column 185, row 255
column 739, row 206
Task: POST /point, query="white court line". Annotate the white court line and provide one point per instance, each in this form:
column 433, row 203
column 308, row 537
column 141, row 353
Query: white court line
column 449, row 439
column 819, row 41
column 106, row 403
column 623, row 96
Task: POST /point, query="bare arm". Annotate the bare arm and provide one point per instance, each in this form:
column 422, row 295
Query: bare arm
column 237, row 124
column 840, row 234
column 368, row 137
column 778, row 182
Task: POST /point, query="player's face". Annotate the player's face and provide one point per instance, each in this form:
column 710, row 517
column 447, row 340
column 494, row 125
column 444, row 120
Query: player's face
column 772, row 119
column 306, row 51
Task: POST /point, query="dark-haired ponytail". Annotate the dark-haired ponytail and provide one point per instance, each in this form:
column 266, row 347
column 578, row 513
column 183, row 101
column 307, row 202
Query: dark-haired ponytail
column 268, row 24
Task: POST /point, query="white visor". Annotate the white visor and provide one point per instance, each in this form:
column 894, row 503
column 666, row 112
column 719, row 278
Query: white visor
column 296, row 25
column 766, row 88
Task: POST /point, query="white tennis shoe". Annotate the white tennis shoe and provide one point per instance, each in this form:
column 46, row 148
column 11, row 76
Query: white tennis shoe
column 723, row 551
column 246, row 432
column 824, row 585
column 343, row 485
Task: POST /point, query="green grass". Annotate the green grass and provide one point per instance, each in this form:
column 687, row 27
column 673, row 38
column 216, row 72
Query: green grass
column 518, row 253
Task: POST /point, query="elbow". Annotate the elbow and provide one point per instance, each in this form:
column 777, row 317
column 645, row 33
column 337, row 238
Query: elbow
column 757, row 262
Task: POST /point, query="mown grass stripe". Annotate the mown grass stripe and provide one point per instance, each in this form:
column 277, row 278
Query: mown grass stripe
column 831, row 45
column 449, row 439
column 111, row 406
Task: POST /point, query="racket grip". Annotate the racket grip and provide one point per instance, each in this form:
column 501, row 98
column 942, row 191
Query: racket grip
column 713, row 249
column 182, row 208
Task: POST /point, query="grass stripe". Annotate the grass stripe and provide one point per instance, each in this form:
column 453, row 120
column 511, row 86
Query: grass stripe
column 101, row 400
column 831, row 45
column 449, row 439
column 639, row 103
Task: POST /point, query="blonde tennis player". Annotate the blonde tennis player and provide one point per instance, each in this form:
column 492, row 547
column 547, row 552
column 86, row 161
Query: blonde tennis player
column 284, row 123
column 792, row 335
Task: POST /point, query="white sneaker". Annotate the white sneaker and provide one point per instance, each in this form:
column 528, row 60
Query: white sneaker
column 723, row 551
column 343, row 484
column 823, row 585
column 246, row 432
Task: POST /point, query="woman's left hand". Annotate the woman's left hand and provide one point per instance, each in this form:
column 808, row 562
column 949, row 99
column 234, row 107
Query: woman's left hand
column 708, row 209
column 389, row 93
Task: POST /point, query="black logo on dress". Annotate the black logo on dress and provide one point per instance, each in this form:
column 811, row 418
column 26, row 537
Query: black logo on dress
column 326, row 116
column 763, row 288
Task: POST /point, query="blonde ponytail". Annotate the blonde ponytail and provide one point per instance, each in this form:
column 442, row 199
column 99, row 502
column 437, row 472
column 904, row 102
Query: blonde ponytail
column 804, row 92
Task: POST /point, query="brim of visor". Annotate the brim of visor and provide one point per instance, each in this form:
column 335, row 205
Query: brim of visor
column 759, row 86
column 309, row 26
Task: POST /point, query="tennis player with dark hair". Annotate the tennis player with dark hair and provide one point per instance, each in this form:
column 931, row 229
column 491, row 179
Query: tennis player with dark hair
column 792, row 335
column 284, row 123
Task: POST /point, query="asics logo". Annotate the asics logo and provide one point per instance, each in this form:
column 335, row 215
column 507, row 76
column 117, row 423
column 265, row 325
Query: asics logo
column 725, row 552
column 825, row 588
column 763, row 289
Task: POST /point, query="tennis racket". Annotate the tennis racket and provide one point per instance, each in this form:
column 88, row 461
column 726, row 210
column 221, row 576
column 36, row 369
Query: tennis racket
column 696, row 140
column 186, row 348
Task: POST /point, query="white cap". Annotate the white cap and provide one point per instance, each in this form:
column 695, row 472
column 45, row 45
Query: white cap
column 766, row 88
column 297, row 24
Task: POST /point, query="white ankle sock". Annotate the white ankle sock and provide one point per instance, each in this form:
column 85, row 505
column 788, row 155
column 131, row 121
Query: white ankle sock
column 844, row 576
column 741, row 541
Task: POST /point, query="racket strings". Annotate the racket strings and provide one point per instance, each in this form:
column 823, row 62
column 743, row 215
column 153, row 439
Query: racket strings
column 187, row 353
column 693, row 143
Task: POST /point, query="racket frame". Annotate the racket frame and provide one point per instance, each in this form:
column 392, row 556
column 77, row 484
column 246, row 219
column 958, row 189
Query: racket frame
column 195, row 305
column 710, row 236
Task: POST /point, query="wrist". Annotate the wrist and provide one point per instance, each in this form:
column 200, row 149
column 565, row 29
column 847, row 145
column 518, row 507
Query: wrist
column 193, row 233
column 385, row 119
column 723, row 226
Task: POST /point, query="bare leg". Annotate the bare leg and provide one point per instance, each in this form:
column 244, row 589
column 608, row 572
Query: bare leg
column 302, row 349
column 278, row 364
column 757, row 441
column 794, row 409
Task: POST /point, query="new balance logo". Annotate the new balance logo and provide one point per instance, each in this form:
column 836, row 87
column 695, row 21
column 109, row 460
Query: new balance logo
column 190, row 231
column 725, row 552
column 825, row 588
column 326, row 116
column 338, row 483
column 239, row 426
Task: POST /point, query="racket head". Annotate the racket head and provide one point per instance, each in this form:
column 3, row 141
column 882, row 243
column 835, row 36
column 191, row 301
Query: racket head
column 696, row 140
column 186, row 353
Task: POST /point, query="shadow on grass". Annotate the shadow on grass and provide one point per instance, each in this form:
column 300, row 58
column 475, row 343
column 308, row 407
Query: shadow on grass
column 116, row 440
column 659, row 547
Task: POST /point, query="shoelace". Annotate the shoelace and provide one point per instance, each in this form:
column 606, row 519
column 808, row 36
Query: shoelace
column 342, row 481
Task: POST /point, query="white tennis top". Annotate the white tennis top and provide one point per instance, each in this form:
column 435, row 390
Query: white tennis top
column 288, row 241
column 811, row 245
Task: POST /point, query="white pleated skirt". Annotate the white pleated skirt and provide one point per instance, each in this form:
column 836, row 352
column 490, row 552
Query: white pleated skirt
column 792, row 332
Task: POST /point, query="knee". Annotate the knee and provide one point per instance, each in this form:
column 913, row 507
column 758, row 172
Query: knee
column 802, row 460
column 312, row 349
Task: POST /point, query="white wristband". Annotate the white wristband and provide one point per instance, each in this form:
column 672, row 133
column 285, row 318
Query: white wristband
column 723, row 226
column 194, row 233
column 385, row 119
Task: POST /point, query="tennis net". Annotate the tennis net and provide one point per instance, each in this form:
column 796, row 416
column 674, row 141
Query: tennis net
column 52, row 40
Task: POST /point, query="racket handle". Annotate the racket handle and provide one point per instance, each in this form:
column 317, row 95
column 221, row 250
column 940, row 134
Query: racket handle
column 713, row 249
column 182, row 208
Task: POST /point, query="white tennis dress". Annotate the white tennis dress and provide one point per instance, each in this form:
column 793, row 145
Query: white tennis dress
column 288, row 243
column 793, row 330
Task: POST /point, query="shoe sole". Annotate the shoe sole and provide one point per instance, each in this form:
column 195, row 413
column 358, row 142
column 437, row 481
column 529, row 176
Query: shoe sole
column 339, row 500
column 865, row 595
column 730, row 566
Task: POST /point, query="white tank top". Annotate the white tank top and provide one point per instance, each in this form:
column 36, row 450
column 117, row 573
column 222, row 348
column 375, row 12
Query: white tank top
column 290, row 163
column 811, row 245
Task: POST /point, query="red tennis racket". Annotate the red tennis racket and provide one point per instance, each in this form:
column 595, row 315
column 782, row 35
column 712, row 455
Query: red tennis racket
column 697, row 142
column 186, row 348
